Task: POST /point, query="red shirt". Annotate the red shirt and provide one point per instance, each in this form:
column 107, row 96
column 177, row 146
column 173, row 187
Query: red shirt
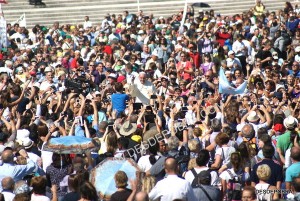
column 107, row 49
column 73, row 63
column 221, row 37
column 196, row 58
column 187, row 65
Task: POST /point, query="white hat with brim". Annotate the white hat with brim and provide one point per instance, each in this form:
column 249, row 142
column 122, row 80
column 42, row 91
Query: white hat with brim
column 112, row 75
column 230, row 52
column 252, row 117
column 48, row 69
column 27, row 143
column 22, row 134
column 290, row 122
column 128, row 128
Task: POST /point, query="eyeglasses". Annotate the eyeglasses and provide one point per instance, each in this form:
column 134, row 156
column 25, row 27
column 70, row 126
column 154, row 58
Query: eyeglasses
column 91, row 65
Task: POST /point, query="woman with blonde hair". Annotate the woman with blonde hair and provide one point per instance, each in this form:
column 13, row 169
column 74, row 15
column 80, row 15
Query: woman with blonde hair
column 263, row 173
column 122, row 193
column 148, row 182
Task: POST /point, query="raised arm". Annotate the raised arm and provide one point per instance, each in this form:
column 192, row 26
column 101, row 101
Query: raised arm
column 21, row 96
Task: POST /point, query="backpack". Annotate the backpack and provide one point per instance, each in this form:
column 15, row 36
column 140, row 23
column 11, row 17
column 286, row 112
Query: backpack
column 195, row 183
column 252, row 145
column 234, row 187
column 182, row 158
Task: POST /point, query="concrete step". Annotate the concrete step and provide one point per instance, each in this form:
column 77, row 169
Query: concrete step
column 96, row 9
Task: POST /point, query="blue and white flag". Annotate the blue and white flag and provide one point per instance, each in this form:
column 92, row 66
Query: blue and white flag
column 226, row 88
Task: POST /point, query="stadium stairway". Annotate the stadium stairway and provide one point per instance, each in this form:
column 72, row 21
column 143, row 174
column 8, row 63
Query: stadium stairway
column 73, row 11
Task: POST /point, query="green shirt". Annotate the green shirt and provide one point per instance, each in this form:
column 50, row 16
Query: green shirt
column 283, row 142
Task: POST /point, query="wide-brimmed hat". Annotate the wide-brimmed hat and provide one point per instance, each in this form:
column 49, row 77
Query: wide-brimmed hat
column 128, row 128
column 27, row 143
column 252, row 117
column 290, row 122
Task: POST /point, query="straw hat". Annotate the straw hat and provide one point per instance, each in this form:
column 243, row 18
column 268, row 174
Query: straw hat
column 252, row 117
column 128, row 128
column 290, row 122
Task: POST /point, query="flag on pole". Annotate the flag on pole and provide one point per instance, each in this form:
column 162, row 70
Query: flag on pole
column 21, row 21
column 226, row 88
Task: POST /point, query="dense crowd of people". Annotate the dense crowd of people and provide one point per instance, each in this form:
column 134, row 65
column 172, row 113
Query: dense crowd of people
column 208, row 109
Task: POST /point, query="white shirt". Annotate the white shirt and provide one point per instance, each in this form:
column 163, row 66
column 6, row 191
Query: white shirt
column 157, row 74
column 231, row 62
column 261, row 195
column 8, row 196
column 190, row 117
column 87, row 24
column 129, row 76
column 6, row 70
column 255, row 41
column 142, row 92
column 35, row 158
column 287, row 158
column 35, row 197
column 225, row 153
column 45, row 85
column 255, row 126
column 189, row 176
column 172, row 188
column 238, row 48
column 144, row 163
column 66, row 46
column 46, row 157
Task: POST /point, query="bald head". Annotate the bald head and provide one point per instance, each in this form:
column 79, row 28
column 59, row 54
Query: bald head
column 295, row 154
column 141, row 196
column 7, row 156
column 171, row 166
column 7, row 183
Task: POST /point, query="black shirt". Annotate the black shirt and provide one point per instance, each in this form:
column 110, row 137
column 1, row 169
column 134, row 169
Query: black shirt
column 71, row 196
column 276, row 172
column 121, row 195
column 262, row 54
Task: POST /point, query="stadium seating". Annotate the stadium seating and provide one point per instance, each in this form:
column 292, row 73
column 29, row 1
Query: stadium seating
column 73, row 11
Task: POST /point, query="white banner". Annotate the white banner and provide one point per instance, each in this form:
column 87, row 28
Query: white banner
column 3, row 34
column 21, row 21
column 226, row 88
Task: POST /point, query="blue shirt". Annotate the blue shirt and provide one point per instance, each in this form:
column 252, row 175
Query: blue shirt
column 292, row 171
column 119, row 101
column 17, row 172
column 291, row 72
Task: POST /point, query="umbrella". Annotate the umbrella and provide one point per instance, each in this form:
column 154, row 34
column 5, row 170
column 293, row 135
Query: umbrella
column 72, row 144
column 201, row 5
column 102, row 176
